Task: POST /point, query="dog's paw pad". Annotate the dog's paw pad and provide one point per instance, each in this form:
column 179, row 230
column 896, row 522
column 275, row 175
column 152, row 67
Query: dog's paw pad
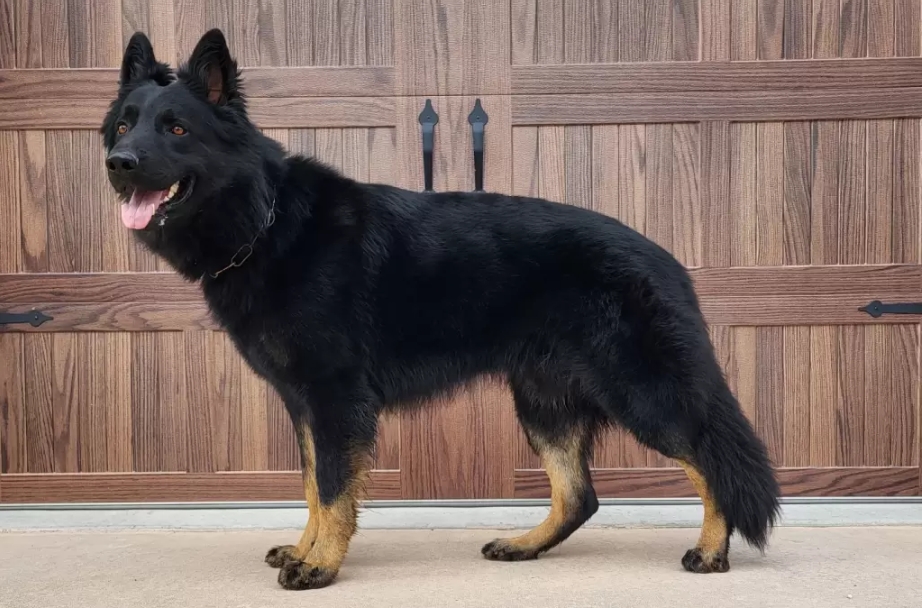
column 696, row 560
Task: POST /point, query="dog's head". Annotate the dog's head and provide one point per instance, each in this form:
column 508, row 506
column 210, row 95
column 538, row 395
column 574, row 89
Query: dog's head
column 173, row 139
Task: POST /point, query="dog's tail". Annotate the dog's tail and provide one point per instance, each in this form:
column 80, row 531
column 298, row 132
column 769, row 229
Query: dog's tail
column 736, row 466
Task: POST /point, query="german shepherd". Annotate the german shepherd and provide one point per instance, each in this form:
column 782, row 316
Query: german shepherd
column 353, row 299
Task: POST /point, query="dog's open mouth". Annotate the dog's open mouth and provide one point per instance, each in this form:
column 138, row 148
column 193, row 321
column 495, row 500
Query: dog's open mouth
column 138, row 211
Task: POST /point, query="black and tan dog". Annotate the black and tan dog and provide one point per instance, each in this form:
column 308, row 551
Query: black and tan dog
column 352, row 299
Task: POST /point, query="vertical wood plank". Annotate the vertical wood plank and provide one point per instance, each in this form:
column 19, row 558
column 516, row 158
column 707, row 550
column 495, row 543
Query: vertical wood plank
column 769, row 422
column 880, row 192
column 253, row 421
column 798, row 29
column 578, row 30
column 498, row 154
column 299, row 33
column 271, row 32
column 352, row 34
column 549, row 32
column 632, row 176
column 552, row 171
column 65, row 402
column 282, row 446
column 7, row 35
column 716, row 18
column 525, row 176
column 146, row 430
column 798, row 170
column 38, row 394
column 13, row 441
column 796, row 396
column 328, row 146
column 91, row 404
column 379, row 30
column 743, row 193
column 173, row 419
column 326, row 26
column 826, row 29
column 198, row 363
column 685, row 30
column 113, row 377
column 742, row 369
column 383, row 145
column 853, row 207
column 605, row 20
column 631, row 34
column 606, row 453
column 824, row 395
column 162, row 30
column 906, row 195
column 850, row 411
column 524, row 31
column 356, row 151
column 658, row 30
column 715, row 193
column 824, row 216
column 387, row 447
column 907, row 14
column 878, row 395
column 904, row 383
column 881, row 28
column 190, row 17
column 578, row 165
column 686, row 203
column 55, row 34
column 61, row 184
column 771, row 29
column 770, row 193
column 605, row 168
column 33, row 201
column 744, row 39
column 659, row 185
column 95, row 33
column 854, row 28
column 10, row 227
column 28, row 33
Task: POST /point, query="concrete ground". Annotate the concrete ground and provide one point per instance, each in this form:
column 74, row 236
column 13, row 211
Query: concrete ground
column 630, row 568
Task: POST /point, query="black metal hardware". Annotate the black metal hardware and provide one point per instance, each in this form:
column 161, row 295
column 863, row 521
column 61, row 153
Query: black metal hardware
column 33, row 317
column 478, row 119
column 878, row 308
column 428, row 119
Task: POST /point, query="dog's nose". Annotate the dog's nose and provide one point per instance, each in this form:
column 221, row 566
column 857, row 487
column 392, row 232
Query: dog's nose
column 121, row 162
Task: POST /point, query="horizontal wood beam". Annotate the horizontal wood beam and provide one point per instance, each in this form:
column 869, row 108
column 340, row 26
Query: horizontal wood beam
column 266, row 112
column 777, row 295
column 95, row 83
column 728, row 76
column 673, row 483
column 169, row 487
column 696, row 106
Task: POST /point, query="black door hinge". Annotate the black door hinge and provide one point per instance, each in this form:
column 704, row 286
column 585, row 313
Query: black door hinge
column 33, row 318
column 428, row 119
column 478, row 119
column 877, row 309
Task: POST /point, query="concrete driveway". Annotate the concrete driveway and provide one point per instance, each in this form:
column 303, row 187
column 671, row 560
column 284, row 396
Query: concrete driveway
column 625, row 568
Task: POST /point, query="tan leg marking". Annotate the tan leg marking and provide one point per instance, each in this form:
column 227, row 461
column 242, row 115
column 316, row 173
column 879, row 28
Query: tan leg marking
column 336, row 525
column 563, row 464
column 713, row 538
column 279, row 556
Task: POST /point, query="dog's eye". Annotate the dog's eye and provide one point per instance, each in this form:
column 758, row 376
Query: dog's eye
column 177, row 130
column 122, row 128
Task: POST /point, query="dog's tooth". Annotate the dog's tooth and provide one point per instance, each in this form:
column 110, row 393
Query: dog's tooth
column 173, row 189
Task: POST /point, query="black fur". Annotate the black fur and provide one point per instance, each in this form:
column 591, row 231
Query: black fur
column 361, row 298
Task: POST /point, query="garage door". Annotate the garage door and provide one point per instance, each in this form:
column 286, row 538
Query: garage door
column 772, row 145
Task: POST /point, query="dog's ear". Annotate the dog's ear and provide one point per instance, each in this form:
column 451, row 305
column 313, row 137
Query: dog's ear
column 214, row 71
column 139, row 63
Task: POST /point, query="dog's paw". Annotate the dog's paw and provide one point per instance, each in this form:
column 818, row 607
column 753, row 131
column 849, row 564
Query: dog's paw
column 279, row 556
column 696, row 560
column 503, row 551
column 301, row 575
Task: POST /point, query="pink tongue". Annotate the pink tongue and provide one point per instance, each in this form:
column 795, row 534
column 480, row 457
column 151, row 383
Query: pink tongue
column 137, row 212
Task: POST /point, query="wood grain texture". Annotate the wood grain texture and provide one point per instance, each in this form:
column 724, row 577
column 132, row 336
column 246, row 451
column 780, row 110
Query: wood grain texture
column 10, row 228
column 716, row 21
column 798, row 29
column 715, row 199
column 907, row 14
column 33, row 201
column 798, row 172
column 632, row 176
column 38, row 394
column 687, row 219
column 659, row 187
column 673, row 483
column 175, row 487
column 709, row 76
column 699, row 106
column 13, row 455
column 770, row 194
column 743, row 222
column 744, row 37
column 853, row 207
column 770, row 29
column 770, row 382
column 824, row 218
column 826, row 29
column 796, row 397
column 906, row 193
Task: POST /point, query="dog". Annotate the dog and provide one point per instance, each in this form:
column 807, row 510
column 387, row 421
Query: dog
column 352, row 299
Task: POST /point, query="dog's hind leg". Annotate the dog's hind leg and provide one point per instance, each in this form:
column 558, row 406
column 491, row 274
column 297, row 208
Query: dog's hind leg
column 279, row 556
column 563, row 446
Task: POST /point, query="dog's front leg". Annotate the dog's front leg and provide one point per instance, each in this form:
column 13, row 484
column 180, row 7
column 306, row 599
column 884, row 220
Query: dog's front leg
column 342, row 458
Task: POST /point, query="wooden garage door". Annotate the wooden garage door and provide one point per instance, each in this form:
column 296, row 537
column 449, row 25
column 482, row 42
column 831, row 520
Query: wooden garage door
column 772, row 145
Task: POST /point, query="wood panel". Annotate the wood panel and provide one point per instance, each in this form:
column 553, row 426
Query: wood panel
column 174, row 487
column 673, row 483
column 805, row 29
column 620, row 108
